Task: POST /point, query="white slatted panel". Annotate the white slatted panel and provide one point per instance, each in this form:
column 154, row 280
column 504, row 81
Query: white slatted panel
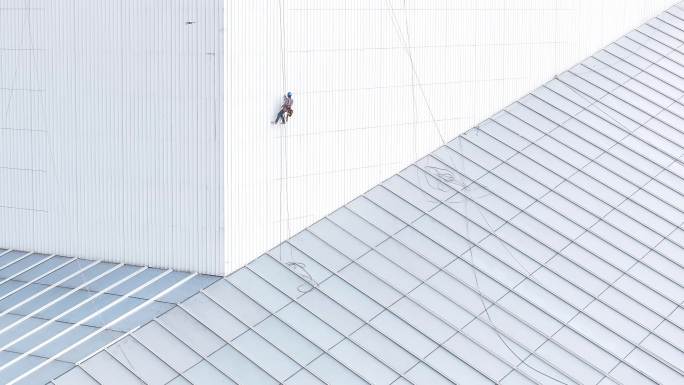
column 118, row 115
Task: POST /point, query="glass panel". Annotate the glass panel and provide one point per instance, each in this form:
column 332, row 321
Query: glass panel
column 166, row 346
column 404, row 334
column 406, row 258
column 534, row 170
column 239, row 304
column 654, row 369
column 386, row 270
column 301, row 264
column 585, row 350
column 190, row 331
column 600, row 335
column 425, row 247
column 429, row 325
column 569, row 364
column 615, row 321
column 288, row 340
column 310, row 326
column 477, row 357
column 463, row 270
column 562, row 214
column 240, row 369
column 363, row 363
column 531, row 247
column 455, row 369
column 478, row 147
column 338, row 238
column 539, row 231
column 304, row 377
column 107, row 371
column 442, row 235
column 330, row 312
column 266, row 279
column 376, row 215
column 410, row 193
column 75, row 376
column 323, row 253
column 559, row 159
column 561, row 288
column 380, row 346
column 424, row 374
column 141, row 361
column 351, row 298
column 631, row 308
column 546, row 300
column 264, row 354
column 214, row 317
column 393, row 204
column 358, row 227
column 333, row 373
column 523, row 182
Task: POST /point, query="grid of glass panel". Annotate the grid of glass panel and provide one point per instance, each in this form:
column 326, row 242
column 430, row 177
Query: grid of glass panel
column 57, row 311
column 543, row 247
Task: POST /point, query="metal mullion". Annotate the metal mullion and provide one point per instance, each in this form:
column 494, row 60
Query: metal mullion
column 651, row 116
column 512, row 367
column 15, row 260
column 52, row 381
column 274, row 313
column 665, row 362
column 204, row 358
column 386, row 308
column 56, row 319
column 45, row 290
column 672, row 49
column 656, row 63
column 673, row 15
column 252, row 329
column 639, row 188
column 637, row 93
column 597, row 198
column 665, row 33
column 104, row 351
column 590, row 231
column 105, row 327
column 619, row 125
column 667, row 11
column 543, row 288
column 179, row 374
column 456, row 329
column 573, row 263
column 641, row 70
column 591, row 295
column 34, row 280
column 495, row 303
column 323, row 350
column 645, row 85
column 475, row 316
column 617, row 142
column 22, row 271
column 602, row 166
column 6, row 252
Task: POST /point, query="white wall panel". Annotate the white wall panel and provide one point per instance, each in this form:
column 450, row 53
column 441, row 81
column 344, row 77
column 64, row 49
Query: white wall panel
column 359, row 114
column 112, row 125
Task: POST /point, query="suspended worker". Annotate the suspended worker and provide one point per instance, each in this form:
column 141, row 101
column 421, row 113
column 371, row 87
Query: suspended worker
column 286, row 108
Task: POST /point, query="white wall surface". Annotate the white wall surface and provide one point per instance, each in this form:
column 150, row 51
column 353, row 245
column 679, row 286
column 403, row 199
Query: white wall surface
column 360, row 115
column 114, row 144
column 112, row 130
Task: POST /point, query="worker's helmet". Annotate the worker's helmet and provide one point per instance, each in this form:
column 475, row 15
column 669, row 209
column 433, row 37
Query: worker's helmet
column 289, row 94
